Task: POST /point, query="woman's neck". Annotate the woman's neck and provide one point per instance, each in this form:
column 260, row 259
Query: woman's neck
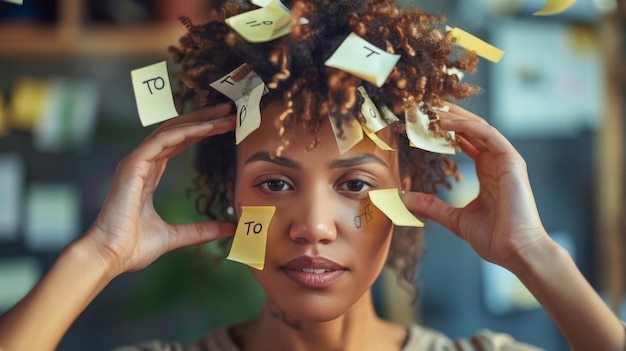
column 358, row 329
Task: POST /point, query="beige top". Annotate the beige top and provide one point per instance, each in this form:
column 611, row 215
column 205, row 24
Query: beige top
column 419, row 339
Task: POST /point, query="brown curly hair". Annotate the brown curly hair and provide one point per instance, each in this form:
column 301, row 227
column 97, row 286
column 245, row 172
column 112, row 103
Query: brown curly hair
column 293, row 68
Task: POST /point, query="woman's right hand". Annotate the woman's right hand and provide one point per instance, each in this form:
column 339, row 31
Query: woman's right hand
column 128, row 234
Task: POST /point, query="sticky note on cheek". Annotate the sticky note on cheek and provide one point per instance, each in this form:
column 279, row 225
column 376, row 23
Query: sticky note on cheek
column 153, row 94
column 389, row 202
column 251, row 236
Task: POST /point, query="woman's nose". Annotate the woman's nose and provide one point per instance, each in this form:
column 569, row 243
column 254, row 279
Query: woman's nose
column 314, row 219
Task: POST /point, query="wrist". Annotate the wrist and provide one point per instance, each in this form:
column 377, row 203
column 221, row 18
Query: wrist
column 542, row 256
column 86, row 252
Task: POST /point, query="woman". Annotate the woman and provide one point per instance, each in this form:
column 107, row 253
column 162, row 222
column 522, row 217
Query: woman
column 319, row 264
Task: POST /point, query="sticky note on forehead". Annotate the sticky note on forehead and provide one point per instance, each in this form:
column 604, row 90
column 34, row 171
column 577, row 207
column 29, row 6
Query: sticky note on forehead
column 420, row 136
column 153, row 94
column 251, row 236
column 472, row 43
column 267, row 23
column 361, row 58
column 246, row 89
column 348, row 136
column 388, row 201
column 553, row 7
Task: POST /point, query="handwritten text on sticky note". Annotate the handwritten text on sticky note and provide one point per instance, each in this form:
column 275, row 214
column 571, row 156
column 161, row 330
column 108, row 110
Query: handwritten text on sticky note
column 361, row 58
column 246, row 92
column 153, row 93
column 251, row 236
column 390, row 203
column 267, row 23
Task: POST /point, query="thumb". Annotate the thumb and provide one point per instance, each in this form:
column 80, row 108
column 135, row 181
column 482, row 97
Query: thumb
column 432, row 207
column 199, row 233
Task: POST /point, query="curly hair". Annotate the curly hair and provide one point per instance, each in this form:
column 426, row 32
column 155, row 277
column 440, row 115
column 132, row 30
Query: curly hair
column 293, row 67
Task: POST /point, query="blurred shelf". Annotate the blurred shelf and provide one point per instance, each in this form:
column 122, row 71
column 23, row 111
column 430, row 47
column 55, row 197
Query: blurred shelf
column 23, row 40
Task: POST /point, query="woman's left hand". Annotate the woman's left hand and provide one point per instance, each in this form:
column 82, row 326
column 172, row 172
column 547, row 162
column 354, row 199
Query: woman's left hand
column 503, row 220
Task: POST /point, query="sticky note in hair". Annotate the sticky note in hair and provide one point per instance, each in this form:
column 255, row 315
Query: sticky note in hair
column 348, row 135
column 267, row 23
column 390, row 203
column 361, row 58
column 372, row 116
column 472, row 43
column 251, row 236
column 19, row 2
column 153, row 94
column 246, row 89
column 420, row 136
column 553, row 7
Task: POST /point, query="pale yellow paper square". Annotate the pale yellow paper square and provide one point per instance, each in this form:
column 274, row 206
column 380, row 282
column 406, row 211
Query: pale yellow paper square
column 246, row 94
column 361, row 58
column 251, row 236
column 373, row 118
column 153, row 94
column 553, row 7
column 261, row 25
column 19, row 2
column 390, row 203
column 374, row 138
column 352, row 134
column 422, row 138
column 472, row 43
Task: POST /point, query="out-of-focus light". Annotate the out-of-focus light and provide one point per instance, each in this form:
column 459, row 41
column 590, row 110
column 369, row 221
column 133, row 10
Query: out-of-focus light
column 605, row 6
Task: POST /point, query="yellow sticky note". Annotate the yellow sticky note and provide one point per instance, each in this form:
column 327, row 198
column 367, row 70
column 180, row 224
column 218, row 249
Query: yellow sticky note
column 19, row 2
column 421, row 137
column 472, row 43
column 264, row 24
column 153, row 94
column 361, row 58
column 246, row 92
column 373, row 118
column 251, row 236
column 30, row 99
column 350, row 134
column 553, row 7
column 378, row 141
column 390, row 203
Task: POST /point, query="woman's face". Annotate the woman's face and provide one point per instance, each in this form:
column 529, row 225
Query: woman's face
column 327, row 242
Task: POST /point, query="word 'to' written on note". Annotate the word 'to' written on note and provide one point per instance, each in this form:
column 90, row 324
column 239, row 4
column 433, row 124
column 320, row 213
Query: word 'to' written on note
column 153, row 94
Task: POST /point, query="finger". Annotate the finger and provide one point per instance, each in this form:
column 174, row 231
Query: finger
column 199, row 233
column 201, row 115
column 456, row 111
column 483, row 137
column 431, row 207
column 467, row 147
column 162, row 142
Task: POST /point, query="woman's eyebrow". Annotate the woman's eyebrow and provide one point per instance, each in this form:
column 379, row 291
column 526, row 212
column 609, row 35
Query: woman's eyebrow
column 357, row 161
column 281, row 161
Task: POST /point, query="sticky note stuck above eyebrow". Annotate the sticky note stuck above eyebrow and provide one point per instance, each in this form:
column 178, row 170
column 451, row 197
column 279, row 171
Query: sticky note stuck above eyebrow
column 389, row 202
column 361, row 58
column 246, row 89
column 153, row 94
column 350, row 134
column 251, row 236
column 261, row 25
column 420, row 136
column 472, row 43
column 553, row 7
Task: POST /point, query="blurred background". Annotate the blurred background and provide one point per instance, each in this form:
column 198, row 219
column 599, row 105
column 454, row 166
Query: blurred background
column 68, row 115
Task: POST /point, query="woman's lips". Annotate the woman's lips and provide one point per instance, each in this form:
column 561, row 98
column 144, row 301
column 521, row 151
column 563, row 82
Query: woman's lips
column 313, row 272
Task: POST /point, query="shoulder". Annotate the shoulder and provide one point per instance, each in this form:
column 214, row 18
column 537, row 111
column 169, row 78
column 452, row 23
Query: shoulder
column 154, row 345
column 425, row 339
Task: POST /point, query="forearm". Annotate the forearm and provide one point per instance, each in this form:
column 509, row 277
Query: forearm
column 40, row 320
column 551, row 275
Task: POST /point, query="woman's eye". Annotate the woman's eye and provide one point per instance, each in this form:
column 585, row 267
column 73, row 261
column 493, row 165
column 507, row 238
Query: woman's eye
column 275, row 185
column 355, row 185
